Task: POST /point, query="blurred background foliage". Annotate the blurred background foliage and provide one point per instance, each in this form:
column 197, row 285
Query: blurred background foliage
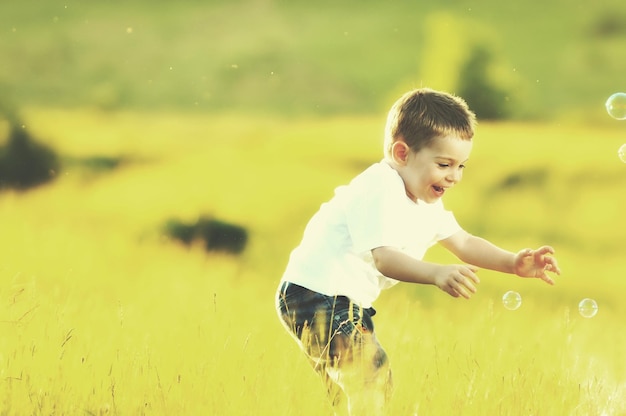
column 510, row 60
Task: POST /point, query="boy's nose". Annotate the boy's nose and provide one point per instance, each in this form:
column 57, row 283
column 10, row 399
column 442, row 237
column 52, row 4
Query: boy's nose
column 455, row 176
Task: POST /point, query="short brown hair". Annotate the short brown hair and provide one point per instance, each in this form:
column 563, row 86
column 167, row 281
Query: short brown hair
column 421, row 115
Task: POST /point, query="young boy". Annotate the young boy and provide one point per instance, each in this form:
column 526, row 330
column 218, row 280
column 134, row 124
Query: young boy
column 374, row 232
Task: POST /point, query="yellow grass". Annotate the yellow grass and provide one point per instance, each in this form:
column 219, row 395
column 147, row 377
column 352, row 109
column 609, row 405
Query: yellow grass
column 101, row 314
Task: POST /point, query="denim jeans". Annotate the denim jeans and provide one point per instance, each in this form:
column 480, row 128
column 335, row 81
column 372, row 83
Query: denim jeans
column 318, row 321
column 338, row 337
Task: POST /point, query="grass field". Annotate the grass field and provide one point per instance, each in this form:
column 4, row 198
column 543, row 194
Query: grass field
column 101, row 314
column 230, row 108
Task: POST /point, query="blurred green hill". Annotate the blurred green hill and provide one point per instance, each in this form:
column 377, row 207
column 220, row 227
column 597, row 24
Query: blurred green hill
column 534, row 59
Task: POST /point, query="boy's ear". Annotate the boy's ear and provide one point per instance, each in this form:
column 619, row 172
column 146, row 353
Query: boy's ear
column 400, row 152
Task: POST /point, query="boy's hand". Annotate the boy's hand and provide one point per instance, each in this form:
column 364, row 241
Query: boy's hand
column 535, row 263
column 457, row 279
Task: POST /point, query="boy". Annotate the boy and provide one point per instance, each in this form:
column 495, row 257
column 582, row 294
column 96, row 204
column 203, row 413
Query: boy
column 374, row 232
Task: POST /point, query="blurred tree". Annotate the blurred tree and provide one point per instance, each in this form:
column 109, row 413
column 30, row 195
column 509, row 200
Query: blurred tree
column 462, row 56
column 24, row 163
column 215, row 235
column 476, row 85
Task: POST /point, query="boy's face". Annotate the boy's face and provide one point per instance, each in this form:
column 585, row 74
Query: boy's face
column 428, row 173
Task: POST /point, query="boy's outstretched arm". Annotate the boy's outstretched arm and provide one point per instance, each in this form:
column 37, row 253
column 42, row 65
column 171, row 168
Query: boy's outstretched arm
column 454, row 279
column 484, row 254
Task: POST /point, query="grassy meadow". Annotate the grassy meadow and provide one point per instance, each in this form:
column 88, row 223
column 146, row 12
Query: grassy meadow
column 101, row 314
column 253, row 111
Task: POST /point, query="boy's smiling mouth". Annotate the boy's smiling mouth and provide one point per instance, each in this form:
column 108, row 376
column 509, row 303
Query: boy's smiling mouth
column 439, row 190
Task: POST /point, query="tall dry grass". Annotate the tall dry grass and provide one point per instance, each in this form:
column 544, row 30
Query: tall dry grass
column 101, row 314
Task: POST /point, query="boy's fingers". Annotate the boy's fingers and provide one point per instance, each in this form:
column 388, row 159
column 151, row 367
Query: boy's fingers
column 553, row 266
column 544, row 254
column 460, row 290
column 545, row 250
column 464, row 287
column 546, row 279
column 452, row 292
column 462, row 284
column 471, row 273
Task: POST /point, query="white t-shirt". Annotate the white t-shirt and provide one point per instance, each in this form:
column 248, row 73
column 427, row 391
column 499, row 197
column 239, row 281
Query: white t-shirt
column 334, row 256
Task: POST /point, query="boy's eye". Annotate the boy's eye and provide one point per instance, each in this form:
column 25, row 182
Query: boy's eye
column 447, row 165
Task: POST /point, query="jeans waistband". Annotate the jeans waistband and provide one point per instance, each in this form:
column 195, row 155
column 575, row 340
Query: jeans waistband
column 285, row 285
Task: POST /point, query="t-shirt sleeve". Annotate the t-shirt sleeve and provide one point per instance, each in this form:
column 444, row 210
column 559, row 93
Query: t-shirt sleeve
column 449, row 225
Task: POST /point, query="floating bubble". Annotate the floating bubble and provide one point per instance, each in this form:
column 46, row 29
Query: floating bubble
column 621, row 152
column 512, row 300
column 616, row 106
column 588, row 308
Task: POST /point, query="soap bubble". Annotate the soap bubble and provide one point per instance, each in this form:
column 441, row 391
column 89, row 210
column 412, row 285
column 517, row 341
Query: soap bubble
column 588, row 308
column 512, row 300
column 616, row 106
column 621, row 152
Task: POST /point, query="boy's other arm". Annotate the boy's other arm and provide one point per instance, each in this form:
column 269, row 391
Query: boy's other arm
column 479, row 252
column 484, row 254
column 455, row 279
